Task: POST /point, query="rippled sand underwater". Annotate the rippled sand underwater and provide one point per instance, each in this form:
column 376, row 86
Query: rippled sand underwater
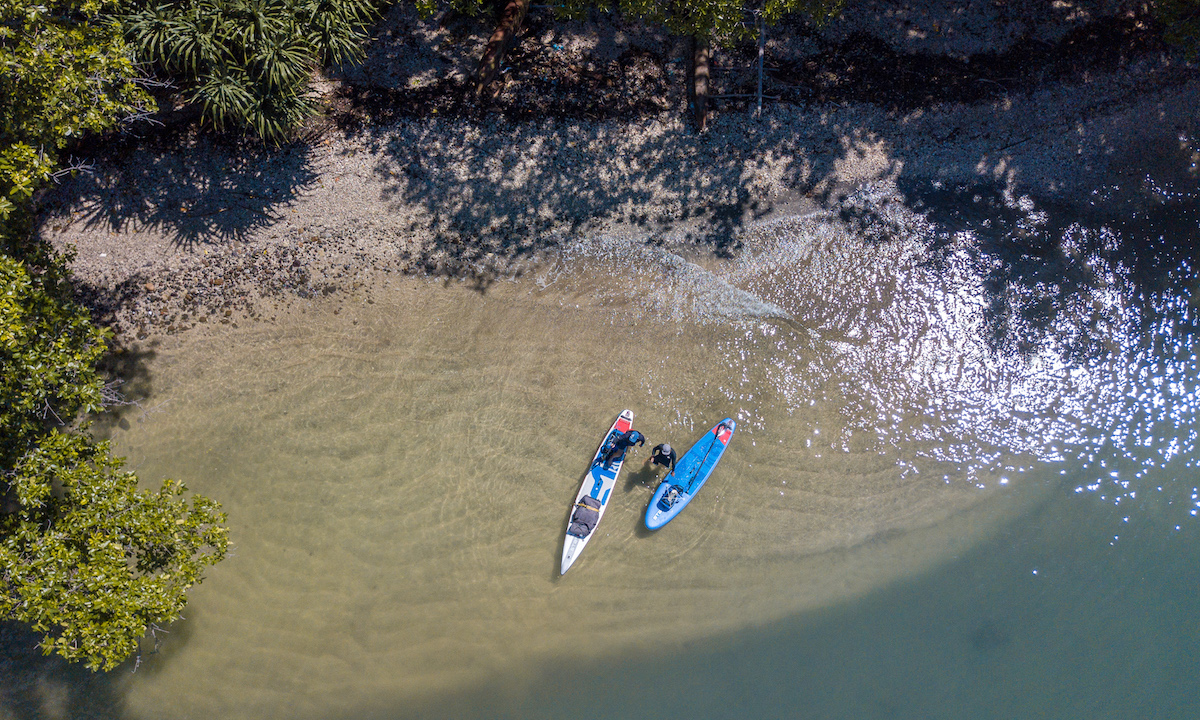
column 397, row 474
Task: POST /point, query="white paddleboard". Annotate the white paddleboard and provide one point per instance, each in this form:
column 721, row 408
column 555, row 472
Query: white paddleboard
column 597, row 485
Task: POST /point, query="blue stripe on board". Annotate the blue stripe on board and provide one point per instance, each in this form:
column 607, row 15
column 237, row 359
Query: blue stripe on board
column 605, row 500
column 600, row 474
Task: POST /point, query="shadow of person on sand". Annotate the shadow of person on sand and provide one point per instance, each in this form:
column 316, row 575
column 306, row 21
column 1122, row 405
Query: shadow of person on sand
column 645, row 475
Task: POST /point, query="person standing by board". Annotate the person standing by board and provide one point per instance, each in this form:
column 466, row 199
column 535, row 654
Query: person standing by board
column 663, row 455
column 624, row 441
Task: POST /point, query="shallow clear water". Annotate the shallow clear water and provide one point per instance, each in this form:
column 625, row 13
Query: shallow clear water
column 963, row 485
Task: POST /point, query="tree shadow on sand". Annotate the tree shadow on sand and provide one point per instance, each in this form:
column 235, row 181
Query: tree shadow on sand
column 862, row 68
column 500, row 195
column 207, row 192
column 555, row 155
column 540, row 163
column 126, row 370
column 36, row 687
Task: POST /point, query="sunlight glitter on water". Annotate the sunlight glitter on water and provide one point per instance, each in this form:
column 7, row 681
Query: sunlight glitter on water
column 915, row 345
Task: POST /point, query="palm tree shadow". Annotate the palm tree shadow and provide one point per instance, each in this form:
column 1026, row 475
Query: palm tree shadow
column 215, row 191
column 494, row 203
column 507, row 193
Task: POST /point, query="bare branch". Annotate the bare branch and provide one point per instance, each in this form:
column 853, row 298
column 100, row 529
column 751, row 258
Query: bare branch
column 141, row 116
column 73, row 166
column 110, row 396
column 147, row 81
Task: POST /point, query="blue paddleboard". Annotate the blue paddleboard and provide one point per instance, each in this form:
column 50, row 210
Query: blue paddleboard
column 681, row 485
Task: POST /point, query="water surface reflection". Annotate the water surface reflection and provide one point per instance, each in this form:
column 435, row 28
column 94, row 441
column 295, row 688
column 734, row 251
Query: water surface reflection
column 896, row 533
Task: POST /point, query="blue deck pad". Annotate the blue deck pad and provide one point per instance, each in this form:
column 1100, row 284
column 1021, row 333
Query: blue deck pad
column 699, row 464
column 601, row 474
column 598, row 484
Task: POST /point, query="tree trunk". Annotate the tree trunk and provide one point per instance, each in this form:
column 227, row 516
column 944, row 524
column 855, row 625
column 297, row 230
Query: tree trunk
column 502, row 38
column 700, row 55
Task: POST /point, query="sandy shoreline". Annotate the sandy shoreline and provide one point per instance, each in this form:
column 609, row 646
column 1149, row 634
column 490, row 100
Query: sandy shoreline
column 168, row 237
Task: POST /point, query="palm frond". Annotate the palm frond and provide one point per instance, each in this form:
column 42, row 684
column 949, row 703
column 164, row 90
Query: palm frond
column 225, row 97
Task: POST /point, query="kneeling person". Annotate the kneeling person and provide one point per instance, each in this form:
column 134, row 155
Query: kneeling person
column 623, row 442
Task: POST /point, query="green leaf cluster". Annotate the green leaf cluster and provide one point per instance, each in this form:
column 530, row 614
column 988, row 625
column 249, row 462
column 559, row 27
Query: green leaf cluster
column 93, row 562
column 86, row 557
column 717, row 20
column 65, row 71
column 48, row 353
column 249, row 63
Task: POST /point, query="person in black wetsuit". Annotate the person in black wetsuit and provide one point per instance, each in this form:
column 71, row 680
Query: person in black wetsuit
column 624, row 441
column 664, row 455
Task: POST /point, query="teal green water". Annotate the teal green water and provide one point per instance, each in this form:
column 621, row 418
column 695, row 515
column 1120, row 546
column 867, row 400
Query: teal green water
column 943, row 501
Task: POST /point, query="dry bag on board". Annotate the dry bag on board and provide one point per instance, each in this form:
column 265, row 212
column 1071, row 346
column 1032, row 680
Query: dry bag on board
column 585, row 517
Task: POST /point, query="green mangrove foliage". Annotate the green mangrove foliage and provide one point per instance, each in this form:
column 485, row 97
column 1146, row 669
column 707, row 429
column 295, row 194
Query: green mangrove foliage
column 86, row 558
column 93, row 562
column 66, row 71
column 48, row 353
column 716, row 20
column 249, row 63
